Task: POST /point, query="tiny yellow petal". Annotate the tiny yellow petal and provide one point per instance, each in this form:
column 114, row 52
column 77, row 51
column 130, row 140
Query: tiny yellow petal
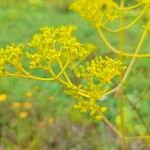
column 16, row 105
column 98, row 118
column 103, row 109
column 50, row 120
column 3, row 97
column 76, row 106
column 51, row 98
column 23, row 114
column 92, row 112
column 29, row 94
column 27, row 105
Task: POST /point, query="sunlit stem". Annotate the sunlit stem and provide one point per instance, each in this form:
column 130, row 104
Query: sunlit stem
column 122, row 102
column 130, row 24
column 138, row 137
column 107, row 43
column 133, row 6
column 29, row 77
column 64, row 72
column 114, row 129
column 133, row 59
column 65, row 83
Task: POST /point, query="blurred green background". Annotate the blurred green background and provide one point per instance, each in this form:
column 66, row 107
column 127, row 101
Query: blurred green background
column 37, row 115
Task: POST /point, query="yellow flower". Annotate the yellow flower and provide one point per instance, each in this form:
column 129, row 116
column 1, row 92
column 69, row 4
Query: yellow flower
column 55, row 43
column 23, row 114
column 98, row 12
column 50, row 120
column 51, row 98
column 12, row 55
column 3, row 97
column 59, row 47
column 91, row 107
column 98, row 117
column 16, row 105
column 29, row 94
column 98, row 74
column 27, row 105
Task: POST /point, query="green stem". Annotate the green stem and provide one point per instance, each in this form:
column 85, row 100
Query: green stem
column 122, row 118
column 133, row 59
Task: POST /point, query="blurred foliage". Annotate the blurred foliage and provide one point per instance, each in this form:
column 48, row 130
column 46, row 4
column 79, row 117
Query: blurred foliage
column 61, row 5
column 33, row 123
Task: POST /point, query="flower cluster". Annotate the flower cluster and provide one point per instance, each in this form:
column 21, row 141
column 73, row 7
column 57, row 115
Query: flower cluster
column 95, row 110
column 47, row 47
column 22, row 109
column 95, row 79
column 103, row 69
column 146, row 2
column 57, row 49
column 98, row 12
column 98, row 74
column 11, row 55
column 54, row 43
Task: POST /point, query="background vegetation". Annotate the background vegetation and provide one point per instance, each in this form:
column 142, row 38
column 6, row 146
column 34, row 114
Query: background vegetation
column 37, row 115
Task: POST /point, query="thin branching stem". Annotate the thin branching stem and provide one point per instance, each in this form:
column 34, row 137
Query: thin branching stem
column 133, row 6
column 114, row 129
column 64, row 72
column 133, row 59
column 130, row 24
column 122, row 102
column 138, row 137
column 107, row 43
column 29, row 77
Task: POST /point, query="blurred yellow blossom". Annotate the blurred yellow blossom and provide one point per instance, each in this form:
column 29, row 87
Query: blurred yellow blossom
column 54, row 43
column 29, row 94
column 51, row 98
column 3, row 97
column 27, row 105
column 98, row 117
column 23, row 114
column 50, row 120
column 16, row 105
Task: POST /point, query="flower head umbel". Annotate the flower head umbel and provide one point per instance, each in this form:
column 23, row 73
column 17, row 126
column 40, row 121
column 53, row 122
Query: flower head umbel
column 96, row 78
column 58, row 52
column 98, row 12
column 97, row 75
column 54, row 43
column 46, row 48
column 11, row 55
